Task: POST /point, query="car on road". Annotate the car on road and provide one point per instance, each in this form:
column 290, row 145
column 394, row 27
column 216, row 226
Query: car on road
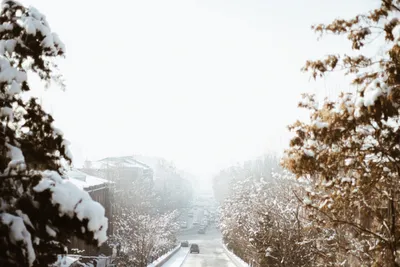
column 194, row 248
column 184, row 225
column 201, row 231
column 185, row 244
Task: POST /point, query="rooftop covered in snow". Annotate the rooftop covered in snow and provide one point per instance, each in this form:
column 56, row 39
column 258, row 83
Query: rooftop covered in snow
column 85, row 181
column 124, row 162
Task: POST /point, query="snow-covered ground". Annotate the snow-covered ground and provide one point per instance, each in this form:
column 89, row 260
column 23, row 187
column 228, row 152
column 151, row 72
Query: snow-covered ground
column 177, row 259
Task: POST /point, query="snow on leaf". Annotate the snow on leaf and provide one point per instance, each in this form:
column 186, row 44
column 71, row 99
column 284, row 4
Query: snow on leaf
column 16, row 156
column 19, row 233
column 373, row 91
column 7, row 112
column 14, row 88
column 65, row 143
column 48, row 41
column 348, row 161
column 309, row 153
column 307, row 201
column 346, row 180
column 320, row 124
column 396, row 31
column 25, row 218
column 322, row 205
column 50, row 231
column 73, row 201
column 9, row 45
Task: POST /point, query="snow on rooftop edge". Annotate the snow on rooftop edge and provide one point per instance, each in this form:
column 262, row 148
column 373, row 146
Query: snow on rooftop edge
column 83, row 180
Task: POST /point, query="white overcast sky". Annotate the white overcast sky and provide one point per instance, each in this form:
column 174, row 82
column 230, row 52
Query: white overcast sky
column 205, row 83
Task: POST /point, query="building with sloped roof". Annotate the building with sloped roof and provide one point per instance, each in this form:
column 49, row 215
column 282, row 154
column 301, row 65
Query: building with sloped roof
column 85, row 181
column 122, row 169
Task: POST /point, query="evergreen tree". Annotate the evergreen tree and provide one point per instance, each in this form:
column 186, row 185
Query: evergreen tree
column 39, row 208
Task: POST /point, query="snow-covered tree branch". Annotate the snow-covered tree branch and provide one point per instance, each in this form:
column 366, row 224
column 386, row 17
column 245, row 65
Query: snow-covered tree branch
column 350, row 151
column 39, row 208
column 262, row 221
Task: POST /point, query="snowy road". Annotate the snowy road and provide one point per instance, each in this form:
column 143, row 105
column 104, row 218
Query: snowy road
column 211, row 255
column 211, row 252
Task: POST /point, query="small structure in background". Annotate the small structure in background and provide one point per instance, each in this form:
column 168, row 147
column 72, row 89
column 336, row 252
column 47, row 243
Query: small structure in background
column 126, row 173
column 125, row 169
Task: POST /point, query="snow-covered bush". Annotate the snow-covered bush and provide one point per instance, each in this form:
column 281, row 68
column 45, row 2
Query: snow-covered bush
column 262, row 221
column 149, row 237
column 141, row 232
column 39, row 209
